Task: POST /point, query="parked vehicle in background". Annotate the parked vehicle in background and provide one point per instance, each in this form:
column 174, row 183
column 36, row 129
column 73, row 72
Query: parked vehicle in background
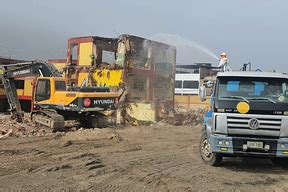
column 187, row 84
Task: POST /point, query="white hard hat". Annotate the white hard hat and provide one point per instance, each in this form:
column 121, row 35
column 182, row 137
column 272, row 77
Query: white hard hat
column 223, row 54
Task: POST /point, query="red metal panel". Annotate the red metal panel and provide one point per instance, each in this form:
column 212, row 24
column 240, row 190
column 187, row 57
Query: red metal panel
column 23, row 97
column 52, row 61
column 77, row 40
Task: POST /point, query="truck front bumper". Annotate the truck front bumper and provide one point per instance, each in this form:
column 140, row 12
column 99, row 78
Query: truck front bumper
column 237, row 146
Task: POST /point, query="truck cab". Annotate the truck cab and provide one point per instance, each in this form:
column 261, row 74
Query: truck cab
column 248, row 117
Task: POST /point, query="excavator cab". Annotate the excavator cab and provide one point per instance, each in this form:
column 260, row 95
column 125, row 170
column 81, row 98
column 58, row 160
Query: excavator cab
column 42, row 91
column 46, row 87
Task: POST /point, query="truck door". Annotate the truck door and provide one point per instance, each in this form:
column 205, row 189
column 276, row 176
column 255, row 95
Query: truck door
column 43, row 90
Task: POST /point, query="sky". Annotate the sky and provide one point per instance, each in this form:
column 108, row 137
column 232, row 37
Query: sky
column 253, row 31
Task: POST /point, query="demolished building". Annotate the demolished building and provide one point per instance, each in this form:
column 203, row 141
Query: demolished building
column 143, row 68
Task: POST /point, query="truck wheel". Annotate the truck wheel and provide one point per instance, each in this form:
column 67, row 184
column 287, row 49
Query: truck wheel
column 207, row 156
column 280, row 162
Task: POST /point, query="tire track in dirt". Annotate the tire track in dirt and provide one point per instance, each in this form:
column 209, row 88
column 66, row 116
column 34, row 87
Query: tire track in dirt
column 149, row 158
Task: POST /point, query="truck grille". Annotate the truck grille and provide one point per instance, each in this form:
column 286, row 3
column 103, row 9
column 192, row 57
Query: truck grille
column 240, row 126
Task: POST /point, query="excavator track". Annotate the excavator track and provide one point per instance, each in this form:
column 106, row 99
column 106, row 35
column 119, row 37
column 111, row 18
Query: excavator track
column 49, row 119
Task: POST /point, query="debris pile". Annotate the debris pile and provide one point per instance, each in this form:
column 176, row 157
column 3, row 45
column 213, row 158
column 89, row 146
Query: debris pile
column 129, row 120
column 177, row 118
column 193, row 117
column 10, row 127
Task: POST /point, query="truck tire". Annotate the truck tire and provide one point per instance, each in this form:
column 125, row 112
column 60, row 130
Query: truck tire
column 280, row 162
column 207, row 156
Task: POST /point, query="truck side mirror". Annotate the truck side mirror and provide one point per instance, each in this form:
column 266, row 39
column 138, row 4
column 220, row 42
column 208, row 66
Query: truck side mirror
column 202, row 93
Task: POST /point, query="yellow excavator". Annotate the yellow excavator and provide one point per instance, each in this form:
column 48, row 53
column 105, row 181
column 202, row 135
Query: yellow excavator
column 53, row 102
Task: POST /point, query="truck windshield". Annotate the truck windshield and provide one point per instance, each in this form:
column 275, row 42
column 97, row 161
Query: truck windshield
column 253, row 89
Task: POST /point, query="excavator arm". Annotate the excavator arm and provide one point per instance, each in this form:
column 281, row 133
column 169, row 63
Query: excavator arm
column 12, row 71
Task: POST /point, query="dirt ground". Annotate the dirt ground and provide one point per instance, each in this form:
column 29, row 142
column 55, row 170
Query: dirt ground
column 159, row 157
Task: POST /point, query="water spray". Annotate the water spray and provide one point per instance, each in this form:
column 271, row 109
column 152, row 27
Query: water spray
column 177, row 40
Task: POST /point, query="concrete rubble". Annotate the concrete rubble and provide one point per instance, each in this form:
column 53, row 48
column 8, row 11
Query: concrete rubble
column 10, row 128
column 187, row 118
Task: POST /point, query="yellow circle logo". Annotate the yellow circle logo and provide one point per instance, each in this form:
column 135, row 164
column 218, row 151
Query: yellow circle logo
column 243, row 107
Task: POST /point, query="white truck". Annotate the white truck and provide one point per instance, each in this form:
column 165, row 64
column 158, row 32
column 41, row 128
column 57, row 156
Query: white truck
column 248, row 117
